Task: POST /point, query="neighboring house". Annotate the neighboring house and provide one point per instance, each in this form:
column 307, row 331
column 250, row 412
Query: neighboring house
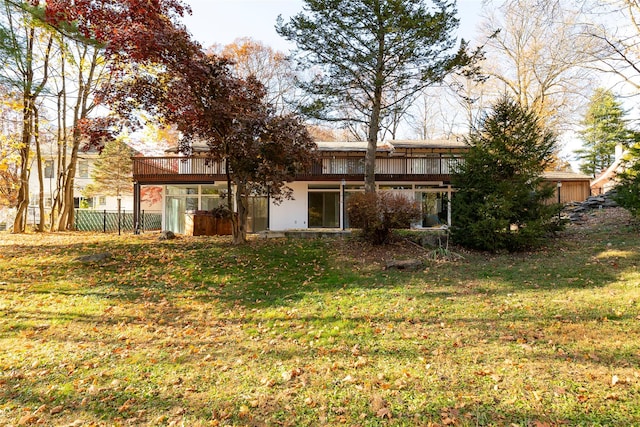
column 150, row 200
column 604, row 182
column 419, row 169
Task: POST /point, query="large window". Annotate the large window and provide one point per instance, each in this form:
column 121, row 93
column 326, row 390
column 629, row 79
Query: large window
column 324, row 209
column 178, row 202
column 181, row 201
column 258, row 214
column 434, row 207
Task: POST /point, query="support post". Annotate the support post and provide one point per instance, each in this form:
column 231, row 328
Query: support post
column 136, row 208
column 119, row 214
column 559, row 202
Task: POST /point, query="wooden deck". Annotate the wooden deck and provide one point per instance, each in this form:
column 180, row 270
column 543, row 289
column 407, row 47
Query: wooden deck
column 185, row 170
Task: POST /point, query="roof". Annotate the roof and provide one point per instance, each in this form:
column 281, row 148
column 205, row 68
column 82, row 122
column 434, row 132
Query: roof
column 390, row 146
column 565, row 176
column 350, row 146
column 436, row 143
column 358, row 146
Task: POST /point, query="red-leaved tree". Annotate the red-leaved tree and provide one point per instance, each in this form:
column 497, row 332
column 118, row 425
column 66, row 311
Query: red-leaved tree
column 157, row 68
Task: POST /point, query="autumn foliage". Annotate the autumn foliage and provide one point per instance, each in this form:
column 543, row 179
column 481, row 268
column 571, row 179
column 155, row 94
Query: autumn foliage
column 156, row 68
column 377, row 214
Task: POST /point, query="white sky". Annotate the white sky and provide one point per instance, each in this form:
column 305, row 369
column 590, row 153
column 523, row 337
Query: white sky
column 223, row 21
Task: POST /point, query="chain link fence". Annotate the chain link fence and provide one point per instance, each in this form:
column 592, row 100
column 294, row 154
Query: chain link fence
column 111, row 221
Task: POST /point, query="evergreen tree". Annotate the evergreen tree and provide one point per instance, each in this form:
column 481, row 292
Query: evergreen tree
column 500, row 202
column 628, row 189
column 367, row 57
column 112, row 170
column 604, row 128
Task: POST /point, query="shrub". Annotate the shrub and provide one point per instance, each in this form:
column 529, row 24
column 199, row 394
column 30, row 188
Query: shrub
column 377, row 214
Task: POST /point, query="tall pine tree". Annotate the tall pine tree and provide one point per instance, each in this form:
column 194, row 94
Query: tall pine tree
column 604, row 128
column 500, row 202
column 367, row 57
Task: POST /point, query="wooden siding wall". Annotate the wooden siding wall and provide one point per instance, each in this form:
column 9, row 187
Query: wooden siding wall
column 572, row 191
column 575, row 191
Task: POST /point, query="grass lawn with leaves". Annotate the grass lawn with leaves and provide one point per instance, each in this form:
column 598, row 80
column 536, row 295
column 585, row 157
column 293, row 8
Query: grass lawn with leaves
column 198, row 332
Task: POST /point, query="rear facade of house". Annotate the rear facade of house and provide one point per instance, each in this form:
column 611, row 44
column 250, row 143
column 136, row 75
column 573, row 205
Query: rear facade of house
column 421, row 170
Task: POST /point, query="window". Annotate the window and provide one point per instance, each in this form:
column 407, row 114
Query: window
column 48, row 169
column 324, row 209
column 434, row 206
column 102, row 200
column 83, row 168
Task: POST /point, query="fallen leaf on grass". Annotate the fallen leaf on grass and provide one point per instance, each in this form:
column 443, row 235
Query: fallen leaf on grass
column 380, row 408
column 244, row 411
column 27, row 420
column 348, row 379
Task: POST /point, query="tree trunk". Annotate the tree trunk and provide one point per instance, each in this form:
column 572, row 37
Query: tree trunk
column 36, row 134
column 374, row 122
column 372, row 145
column 20, row 221
column 239, row 221
column 81, row 110
column 67, row 213
column 56, row 205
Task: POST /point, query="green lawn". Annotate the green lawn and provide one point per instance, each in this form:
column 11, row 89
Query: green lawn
column 197, row 332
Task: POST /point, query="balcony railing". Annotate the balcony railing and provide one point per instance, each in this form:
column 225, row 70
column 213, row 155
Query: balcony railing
column 191, row 169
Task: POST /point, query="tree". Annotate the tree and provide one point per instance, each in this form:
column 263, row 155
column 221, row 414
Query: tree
column 617, row 34
column 84, row 66
column 272, row 68
column 627, row 192
column 111, row 173
column 366, row 57
column 9, row 149
column 260, row 150
column 604, row 128
column 25, row 49
column 500, row 202
column 541, row 56
column 264, row 152
column 107, row 42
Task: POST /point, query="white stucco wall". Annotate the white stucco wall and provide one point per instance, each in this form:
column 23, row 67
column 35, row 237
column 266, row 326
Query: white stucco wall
column 290, row 214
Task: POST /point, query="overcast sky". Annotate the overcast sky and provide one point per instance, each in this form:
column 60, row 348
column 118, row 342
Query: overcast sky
column 223, row 21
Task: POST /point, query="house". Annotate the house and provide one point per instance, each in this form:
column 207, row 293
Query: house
column 606, row 181
column 419, row 169
column 51, row 171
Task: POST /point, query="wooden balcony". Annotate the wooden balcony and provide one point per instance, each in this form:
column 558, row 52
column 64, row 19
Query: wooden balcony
column 199, row 170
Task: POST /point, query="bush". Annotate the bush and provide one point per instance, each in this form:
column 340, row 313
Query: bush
column 377, row 214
